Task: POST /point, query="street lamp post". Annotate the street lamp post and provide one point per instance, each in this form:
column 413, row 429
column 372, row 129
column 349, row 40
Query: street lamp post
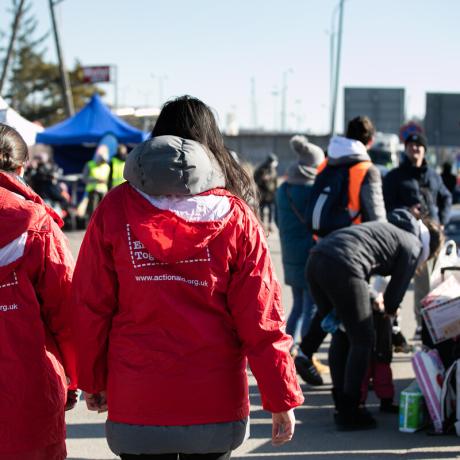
column 332, row 35
column 336, row 69
column 275, row 93
column 284, row 100
column 161, row 80
column 65, row 83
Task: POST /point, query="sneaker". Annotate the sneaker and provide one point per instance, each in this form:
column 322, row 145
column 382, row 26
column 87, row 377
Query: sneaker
column 398, row 339
column 320, row 367
column 403, row 348
column 387, row 406
column 307, row 370
column 400, row 344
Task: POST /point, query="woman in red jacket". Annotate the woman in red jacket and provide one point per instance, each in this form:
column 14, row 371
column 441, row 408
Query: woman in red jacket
column 173, row 291
column 36, row 354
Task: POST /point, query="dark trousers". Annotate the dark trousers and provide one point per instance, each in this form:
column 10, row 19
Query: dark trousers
column 94, row 198
column 269, row 205
column 333, row 286
column 315, row 336
column 212, row 456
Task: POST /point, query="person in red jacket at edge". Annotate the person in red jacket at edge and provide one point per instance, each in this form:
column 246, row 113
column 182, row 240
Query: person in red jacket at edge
column 174, row 290
column 37, row 358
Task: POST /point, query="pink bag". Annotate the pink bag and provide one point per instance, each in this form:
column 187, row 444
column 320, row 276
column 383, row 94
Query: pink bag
column 429, row 372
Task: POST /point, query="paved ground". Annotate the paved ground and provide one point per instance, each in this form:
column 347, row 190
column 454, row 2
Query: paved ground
column 315, row 436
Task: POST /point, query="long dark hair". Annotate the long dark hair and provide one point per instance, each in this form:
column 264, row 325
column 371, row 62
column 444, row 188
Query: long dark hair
column 190, row 118
column 13, row 149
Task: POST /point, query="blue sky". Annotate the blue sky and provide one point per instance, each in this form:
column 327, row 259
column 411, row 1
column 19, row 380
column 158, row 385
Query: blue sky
column 212, row 48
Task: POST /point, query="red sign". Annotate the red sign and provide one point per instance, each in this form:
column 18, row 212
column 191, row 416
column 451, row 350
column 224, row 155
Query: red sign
column 409, row 128
column 94, row 74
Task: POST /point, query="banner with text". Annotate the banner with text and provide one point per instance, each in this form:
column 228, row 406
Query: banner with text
column 95, row 74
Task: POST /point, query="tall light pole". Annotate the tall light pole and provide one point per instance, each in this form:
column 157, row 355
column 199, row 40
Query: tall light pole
column 253, row 104
column 332, row 36
column 9, row 52
column 65, row 83
column 275, row 93
column 284, row 99
column 337, row 68
column 161, row 80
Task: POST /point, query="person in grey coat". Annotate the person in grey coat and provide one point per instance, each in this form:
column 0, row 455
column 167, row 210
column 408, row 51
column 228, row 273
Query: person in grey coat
column 292, row 199
column 338, row 272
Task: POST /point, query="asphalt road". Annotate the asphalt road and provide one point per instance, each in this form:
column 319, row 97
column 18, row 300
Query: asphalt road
column 315, row 437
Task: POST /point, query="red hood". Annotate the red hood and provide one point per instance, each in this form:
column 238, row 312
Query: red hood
column 20, row 214
column 167, row 236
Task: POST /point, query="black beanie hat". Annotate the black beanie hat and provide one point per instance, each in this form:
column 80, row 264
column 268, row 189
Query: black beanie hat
column 416, row 138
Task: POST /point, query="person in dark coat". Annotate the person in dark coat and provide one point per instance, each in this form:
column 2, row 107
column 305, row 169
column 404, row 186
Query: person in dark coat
column 338, row 273
column 292, row 199
column 266, row 179
column 414, row 184
column 449, row 179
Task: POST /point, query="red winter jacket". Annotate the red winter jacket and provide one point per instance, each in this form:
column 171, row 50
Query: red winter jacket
column 168, row 309
column 36, row 352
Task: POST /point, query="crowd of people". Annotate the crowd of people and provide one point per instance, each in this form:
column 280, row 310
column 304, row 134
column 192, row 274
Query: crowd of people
column 174, row 292
column 99, row 175
column 350, row 228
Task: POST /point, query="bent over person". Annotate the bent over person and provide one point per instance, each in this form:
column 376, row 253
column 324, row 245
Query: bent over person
column 36, row 354
column 338, row 272
column 174, row 290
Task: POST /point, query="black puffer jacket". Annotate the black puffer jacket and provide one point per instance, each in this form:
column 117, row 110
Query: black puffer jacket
column 378, row 248
column 408, row 185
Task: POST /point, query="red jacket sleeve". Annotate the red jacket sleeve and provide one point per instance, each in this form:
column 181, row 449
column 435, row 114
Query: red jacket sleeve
column 94, row 290
column 53, row 287
column 254, row 299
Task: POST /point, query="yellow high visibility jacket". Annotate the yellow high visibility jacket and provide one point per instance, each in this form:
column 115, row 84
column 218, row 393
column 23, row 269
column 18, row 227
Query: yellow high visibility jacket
column 118, row 167
column 100, row 172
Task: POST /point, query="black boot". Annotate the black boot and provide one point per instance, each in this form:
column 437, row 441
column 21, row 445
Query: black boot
column 351, row 417
column 388, row 406
column 335, row 398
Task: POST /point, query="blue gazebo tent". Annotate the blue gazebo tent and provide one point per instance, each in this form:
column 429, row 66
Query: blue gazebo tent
column 71, row 137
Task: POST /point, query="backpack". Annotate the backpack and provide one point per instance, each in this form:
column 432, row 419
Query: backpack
column 334, row 199
column 450, row 402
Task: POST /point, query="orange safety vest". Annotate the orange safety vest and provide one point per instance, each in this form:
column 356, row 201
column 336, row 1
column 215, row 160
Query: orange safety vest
column 356, row 174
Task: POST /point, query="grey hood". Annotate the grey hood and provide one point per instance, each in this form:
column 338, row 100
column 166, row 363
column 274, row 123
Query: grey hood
column 170, row 165
column 343, row 151
column 403, row 219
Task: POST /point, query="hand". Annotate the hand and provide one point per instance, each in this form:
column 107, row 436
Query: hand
column 378, row 304
column 416, row 211
column 283, row 424
column 96, row 401
column 389, row 316
column 72, row 398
